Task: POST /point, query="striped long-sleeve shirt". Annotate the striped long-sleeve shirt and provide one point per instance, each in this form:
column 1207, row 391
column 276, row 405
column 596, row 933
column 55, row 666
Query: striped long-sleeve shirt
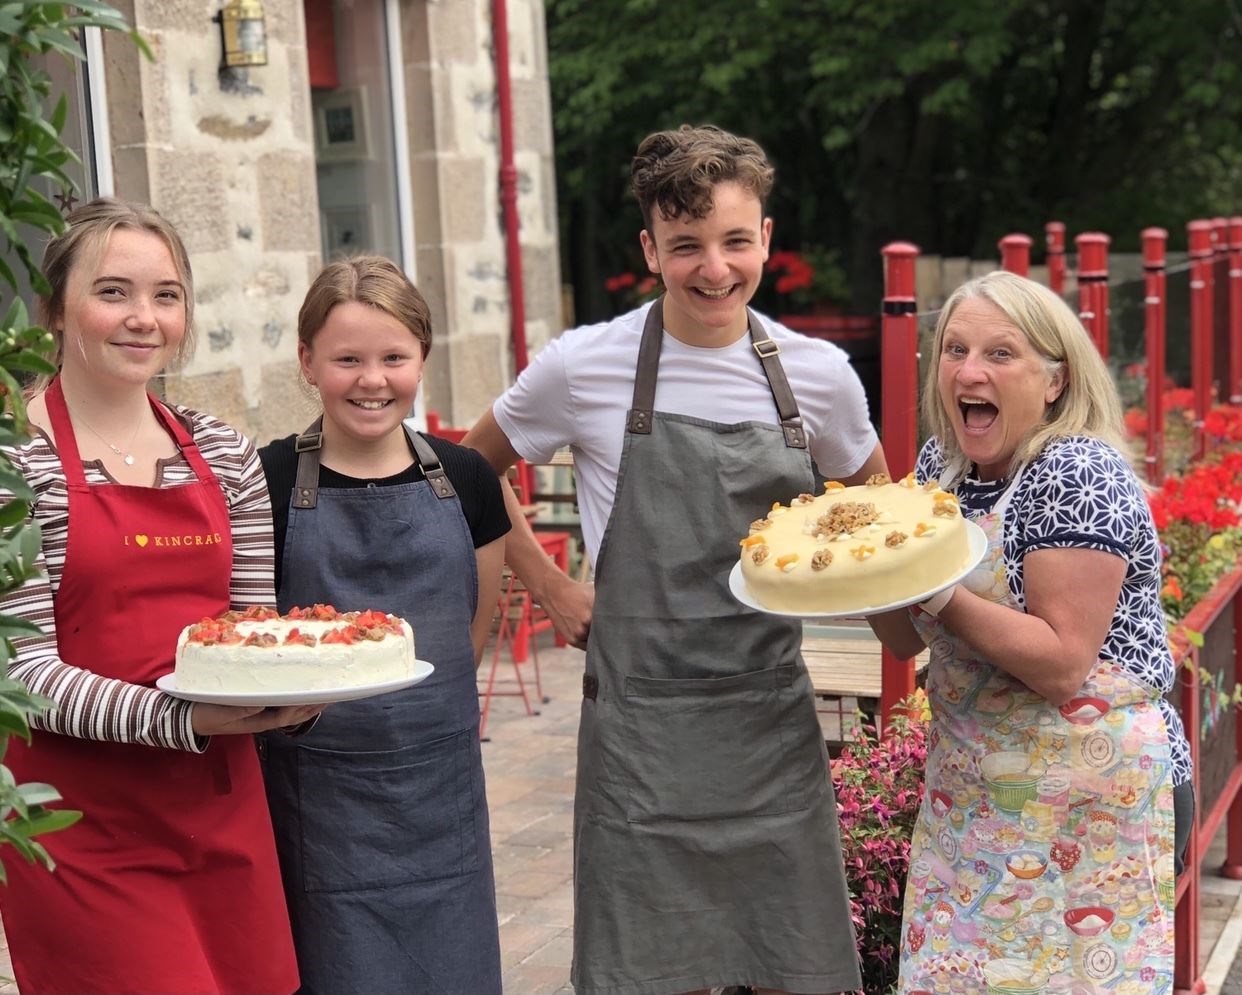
column 93, row 707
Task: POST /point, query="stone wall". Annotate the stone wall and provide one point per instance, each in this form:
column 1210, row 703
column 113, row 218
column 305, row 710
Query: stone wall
column 455, row 163
column 230, row 160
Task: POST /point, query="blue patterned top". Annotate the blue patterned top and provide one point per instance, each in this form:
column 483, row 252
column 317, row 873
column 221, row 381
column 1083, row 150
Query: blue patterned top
column 1081, row 493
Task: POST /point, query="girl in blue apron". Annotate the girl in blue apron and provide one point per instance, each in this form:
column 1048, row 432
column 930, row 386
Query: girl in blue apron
column 1043, row 857
column 380, row 813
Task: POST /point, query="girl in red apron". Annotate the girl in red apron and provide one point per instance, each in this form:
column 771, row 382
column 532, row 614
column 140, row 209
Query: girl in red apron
column 151, row 520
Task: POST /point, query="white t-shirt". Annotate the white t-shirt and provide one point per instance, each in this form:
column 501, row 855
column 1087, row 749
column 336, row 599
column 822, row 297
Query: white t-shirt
column 579, row 388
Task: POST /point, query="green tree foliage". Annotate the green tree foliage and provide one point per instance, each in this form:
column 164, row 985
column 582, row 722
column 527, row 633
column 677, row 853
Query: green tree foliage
column 32, row 158
column 944, row 124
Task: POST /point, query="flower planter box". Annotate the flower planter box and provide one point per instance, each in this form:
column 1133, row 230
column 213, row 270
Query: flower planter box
column 1211, row 686
column 1206, row 679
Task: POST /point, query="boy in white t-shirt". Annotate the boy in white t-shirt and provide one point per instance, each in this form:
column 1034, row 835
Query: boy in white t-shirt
column 683, row 845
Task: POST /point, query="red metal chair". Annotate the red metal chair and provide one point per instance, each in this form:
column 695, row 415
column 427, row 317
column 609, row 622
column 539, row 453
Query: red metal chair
column 521, row 619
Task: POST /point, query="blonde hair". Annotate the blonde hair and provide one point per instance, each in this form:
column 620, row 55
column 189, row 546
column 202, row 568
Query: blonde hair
column 1088, row 404
column 85, row 240
column 371, row 280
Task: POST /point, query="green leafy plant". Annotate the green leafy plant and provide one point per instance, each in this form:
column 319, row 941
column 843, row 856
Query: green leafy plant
column 33, row 159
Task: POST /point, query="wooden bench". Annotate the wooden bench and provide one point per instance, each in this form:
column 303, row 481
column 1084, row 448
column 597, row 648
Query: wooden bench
column 562, row 507
column 843, row 662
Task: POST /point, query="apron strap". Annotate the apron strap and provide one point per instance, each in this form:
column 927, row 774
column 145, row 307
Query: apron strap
column 67, row 443
column 308, row 444
column 430, row 463
column 185, row 442
column 643, row 405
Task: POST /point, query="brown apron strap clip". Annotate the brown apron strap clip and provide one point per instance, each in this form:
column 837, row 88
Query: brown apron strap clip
column 307, row 446
column 309, row 440
column 430, row 463
column 769, row 352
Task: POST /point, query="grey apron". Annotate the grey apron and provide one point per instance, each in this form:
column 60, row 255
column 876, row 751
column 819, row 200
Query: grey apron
column 379, row 811
column 706, row 849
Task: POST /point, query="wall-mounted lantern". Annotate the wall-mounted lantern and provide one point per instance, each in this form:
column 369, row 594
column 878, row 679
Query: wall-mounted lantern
column 242, row 34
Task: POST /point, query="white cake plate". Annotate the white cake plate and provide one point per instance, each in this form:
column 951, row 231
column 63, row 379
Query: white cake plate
column 278, row 699
column 975, row 536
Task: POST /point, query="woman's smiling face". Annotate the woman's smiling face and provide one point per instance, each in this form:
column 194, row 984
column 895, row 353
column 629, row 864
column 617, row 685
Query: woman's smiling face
column 994, row 385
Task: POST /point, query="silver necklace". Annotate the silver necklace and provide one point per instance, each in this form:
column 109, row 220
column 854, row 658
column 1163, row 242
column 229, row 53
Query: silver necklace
column 126, row 456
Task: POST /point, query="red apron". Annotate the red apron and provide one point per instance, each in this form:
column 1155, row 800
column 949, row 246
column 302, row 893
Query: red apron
column 170, row 882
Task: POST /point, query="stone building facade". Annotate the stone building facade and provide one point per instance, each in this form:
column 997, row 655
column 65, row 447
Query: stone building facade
column 372, row 127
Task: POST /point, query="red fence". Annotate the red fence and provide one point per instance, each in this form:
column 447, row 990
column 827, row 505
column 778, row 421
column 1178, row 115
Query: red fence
column 1207, row 672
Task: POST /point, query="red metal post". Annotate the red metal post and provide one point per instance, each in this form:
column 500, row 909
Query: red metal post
column 1054, row 232
column 1093, row 286
column 508, row 185
column 1222, row 349
column 899, row 341
column 1015, row 250
column 1235, row 310
column 1154, row 243
column 1199, row 236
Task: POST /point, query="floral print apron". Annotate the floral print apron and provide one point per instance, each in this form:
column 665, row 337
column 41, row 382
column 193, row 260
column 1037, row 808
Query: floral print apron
column 1042, row 858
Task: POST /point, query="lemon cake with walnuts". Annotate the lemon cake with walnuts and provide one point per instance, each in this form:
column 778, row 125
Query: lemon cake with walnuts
column 853, row 548
column 308, row 649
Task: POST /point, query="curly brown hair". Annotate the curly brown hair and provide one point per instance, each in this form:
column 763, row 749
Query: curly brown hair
column 678, row 171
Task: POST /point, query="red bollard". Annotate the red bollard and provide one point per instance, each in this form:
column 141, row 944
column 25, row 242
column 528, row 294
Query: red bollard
column 1199, row 236
column 1093, row 286
column 1015, row 253
column 1223, row 362
column 1235, row 310
column 899, row 343
column 1154, row 242
column 1054, row 232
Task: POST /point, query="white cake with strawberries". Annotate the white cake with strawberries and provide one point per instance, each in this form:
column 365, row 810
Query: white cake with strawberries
column 309, row 649
column 854, row 548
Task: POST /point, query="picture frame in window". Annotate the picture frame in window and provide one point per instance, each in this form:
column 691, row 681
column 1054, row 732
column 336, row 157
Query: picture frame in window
column 346, row 230
column 341, row 127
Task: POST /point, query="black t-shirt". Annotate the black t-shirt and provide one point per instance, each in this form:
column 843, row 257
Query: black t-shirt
column 476, row 483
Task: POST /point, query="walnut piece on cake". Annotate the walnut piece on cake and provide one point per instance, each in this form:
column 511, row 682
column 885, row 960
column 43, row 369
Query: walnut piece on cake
column 760, row 523
column 759, row 554
column 846, row 518
column 821, row 559
column 895, row 539
column 879, row 480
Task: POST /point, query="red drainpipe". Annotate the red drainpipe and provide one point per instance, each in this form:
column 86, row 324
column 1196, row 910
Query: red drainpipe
column 508, row 187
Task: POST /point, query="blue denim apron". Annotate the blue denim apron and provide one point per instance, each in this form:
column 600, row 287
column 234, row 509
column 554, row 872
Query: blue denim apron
column 706, row 849
column 379, row 811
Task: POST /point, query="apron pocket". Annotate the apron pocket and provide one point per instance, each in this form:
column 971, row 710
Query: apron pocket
column 386, row 818
column 710, row 748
